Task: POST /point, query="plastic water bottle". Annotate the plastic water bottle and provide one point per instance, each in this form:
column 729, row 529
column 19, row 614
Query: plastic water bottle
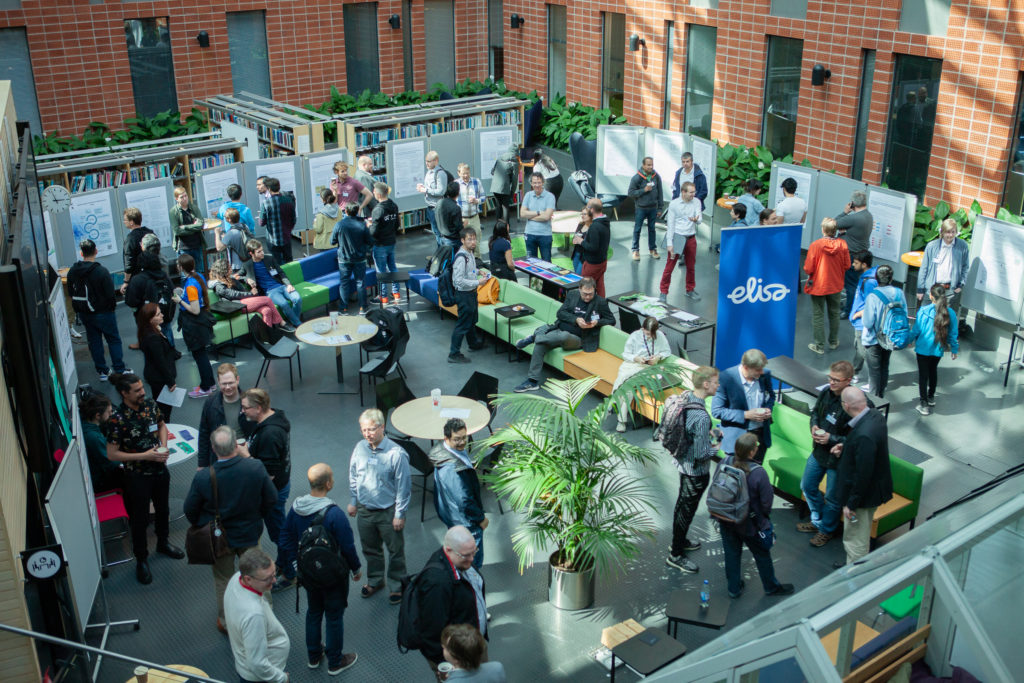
column 705, row 595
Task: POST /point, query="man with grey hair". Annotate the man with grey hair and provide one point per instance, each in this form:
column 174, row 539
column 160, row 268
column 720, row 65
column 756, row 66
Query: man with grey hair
column 854, row 225
column 435, row 182
column 380, row 488
column 259, row 642
column 744, row 402
column 864, row 477
column 237, row 488
column 449, row 591
column 364, row 174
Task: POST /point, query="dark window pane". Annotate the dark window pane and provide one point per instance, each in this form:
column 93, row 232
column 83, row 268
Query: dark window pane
column 16, row 67
column 700, row 79
column 407, row 43
column 496, row 39
column 152, row 68
column 867, row 78
column 247, row 45
column 670, row 48
column 439, row 25
column 362, row 68
column 556, row 51
column 613, row 57
column 782, row 94
column 1013, row 195
column 911, row 123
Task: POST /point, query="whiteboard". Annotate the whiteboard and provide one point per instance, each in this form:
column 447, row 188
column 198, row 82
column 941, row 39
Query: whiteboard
column 893, row 214
column 833, row 193
column 71, row 510
column 154, row 198
column 62, row 339
column 211, row 190
column 665, row 147
column 997, row 249
column 705, row 155
column 288, row 170
column 405, row 171
column 619, row 150
column 97, row 215
column 490, row 143
column 318, row 169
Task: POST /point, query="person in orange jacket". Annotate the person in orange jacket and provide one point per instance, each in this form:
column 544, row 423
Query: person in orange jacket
column 827, row 260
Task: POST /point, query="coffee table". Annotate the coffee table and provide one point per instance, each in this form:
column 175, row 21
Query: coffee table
column 684, row 607
column 556, row 280
column 511, row 312
column 351, row 329
column 647, row 652
column 182, row 444
column 669, row 316
column 418, row 419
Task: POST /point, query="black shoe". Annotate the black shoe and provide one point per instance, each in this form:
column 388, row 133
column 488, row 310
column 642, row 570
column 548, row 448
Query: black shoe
column 171, row 551
column 142, row 572
column 177, row 355
column 527, row 385
column 743, row 584
column 286, row 328
column 783, row 589
column 346, row 661
column 524, row 342
column 682, row 564
column 691, row 545
column 458, row 358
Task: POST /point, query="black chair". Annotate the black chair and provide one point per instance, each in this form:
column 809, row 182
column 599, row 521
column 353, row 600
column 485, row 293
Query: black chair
column 273, row 345
column 390, row 322
column 481, row 387
column 420, row 467
column 487, row 464
column 391, row 394
column 380, row 367
column 628, row 321
column 582, row 184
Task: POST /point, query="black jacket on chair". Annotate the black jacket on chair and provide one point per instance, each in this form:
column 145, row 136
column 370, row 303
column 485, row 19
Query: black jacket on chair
column 865, row 476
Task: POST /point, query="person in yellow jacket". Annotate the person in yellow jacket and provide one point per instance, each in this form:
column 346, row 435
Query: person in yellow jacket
column 323, row 222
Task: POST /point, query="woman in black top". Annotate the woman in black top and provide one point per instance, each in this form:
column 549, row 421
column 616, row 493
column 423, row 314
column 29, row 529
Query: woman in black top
column 500, row 252
column 160, row 371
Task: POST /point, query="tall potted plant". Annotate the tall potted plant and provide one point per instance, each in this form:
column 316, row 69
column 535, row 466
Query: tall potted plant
column 576, row 485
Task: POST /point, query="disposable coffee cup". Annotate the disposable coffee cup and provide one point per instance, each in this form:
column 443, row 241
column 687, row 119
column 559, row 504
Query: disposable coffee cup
column 819, row 431
column 334, row 318
column 444, row 669
column 240, row 442
column 142, row 674
column 162, row 450
column 435, row 399
column 178, row 291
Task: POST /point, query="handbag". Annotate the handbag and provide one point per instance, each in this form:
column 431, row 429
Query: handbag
column 205, row 544
column 766, row 536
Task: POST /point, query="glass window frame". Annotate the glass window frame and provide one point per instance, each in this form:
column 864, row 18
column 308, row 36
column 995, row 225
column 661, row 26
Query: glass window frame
column 137, row 64
column 916, row 141
column 670, row 37
column 690, row 92
column 774, row 45
column 613, row 52
column 867, row 77
column 554, row 42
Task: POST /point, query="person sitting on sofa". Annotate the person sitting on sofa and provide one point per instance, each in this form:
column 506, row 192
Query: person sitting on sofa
column 265, row 277
column 228, row 287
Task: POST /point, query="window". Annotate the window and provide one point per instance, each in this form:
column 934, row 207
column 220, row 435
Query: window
column 613, row 58
column 867, row 78
column 930, row 17
column 1013, row 196
column 362, row 68
column 781, row 94
column 152, row 68
column 556, row 51
column 16, row 67
column 247, row 45
column 791, row 9
column 670, row 37
column 495, row 40
column 407, row 43
column 439, row 26
column 908, row 147
column 700, row 79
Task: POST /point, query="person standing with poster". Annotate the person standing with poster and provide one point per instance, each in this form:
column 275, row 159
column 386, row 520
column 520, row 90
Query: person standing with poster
column 854, row 225
column 691, row 172
column 645, row 191
column 791, row 209
column 827, row 261
column 187, row 227
column 435, row 183
column 504, row 177
column 945, row 263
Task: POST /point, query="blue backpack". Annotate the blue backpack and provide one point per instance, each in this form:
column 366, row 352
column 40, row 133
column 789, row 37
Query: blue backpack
column 894, row 331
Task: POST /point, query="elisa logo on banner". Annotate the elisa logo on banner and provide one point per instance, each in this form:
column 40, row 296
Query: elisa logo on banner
column 755, row 291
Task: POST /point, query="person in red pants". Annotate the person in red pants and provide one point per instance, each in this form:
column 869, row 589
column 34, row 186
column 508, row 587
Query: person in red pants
column 684, row 215
column 594, row 244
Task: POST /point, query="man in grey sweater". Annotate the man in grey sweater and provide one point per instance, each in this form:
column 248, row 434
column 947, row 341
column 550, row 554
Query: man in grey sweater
column 854, row 225
column 466, row 279
column 645, row 191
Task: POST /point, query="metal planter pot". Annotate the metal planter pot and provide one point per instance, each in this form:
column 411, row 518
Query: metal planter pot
column 570, row 590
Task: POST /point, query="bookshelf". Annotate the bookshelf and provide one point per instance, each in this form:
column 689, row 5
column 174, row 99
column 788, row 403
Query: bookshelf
column 282, row 129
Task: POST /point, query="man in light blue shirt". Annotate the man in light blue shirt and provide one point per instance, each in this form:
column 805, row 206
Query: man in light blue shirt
column 874, row 306
column 379, row 483
column 537, row 209
column 234, row 193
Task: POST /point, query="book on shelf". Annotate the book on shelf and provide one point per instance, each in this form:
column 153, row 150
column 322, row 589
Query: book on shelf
column 414, row 218
column 210, row 161
column 375, row 138
column 464, row 123
column 503, row 118
column 416, row 130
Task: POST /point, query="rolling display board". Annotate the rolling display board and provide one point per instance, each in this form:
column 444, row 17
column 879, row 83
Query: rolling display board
column 705, row 155
column 318, row 170
column 154, row 198
column 453, row 148
column 832, row 194
column 489, row 144
column 619, row 150
column 995, row 286
column 893, row 214
column 288, row 170
column 665, row 147
column 211, row 191
column 96, row 215
column 61, row 328
column 405, row 171
column 806, row 184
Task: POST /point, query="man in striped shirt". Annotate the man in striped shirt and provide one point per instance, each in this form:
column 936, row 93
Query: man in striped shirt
column 471, row 200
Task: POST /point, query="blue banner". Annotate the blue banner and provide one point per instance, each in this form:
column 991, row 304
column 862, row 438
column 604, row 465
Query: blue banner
column 757, row 289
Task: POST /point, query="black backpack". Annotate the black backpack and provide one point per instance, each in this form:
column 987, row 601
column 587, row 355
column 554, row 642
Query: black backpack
column 409, row 615
column 672, row 431
column 161, row 292
column 445, row 283
column 320, row 563
column 81, row 302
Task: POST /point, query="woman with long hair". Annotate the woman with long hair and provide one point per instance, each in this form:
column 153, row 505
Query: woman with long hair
column 547, row 167
column 105, row 473
column 644, row 347
column 228, row 287
column 159, row 370
column 324, row 221
column 195, row 322
column 586, row 220
column 499, row 249
column 935, row 331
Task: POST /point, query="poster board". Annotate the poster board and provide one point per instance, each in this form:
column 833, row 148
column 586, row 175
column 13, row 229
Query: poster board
column 994, row 280
column 665, row 147
column 893, row 214
column 154, row 198
column 489, row 144
column 406, row 168
column 619, row 150
column 96, row 215
column 453, row 148
column 288, row 170
column 243, row 134
column 705, row 155
column 318, row 169
column 806, row 184
column 61, row 329
column 211, row 190
column 832, row 195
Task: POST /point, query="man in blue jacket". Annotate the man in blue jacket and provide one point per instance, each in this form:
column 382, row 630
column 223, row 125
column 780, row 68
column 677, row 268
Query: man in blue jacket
column 945, row 262
column 690, row 172
column 456, row 486
column 861, row 262
column 330, row 599
column 744, row 402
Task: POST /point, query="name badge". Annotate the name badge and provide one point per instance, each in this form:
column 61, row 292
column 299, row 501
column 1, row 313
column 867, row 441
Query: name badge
column 153, row 428
column 273, row 272
column 372, row 461
column 936, row 260
column 831, row 419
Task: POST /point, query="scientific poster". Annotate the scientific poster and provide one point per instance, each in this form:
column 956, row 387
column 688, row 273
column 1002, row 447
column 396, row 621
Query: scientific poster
column 888, row 212
column 705, row 155
column 493, row 143
column 92, row 216
column 1001, row 262
column 284, row 171
column 803, row 184
column 407, row 169
column 51, row 245
column 620, row 149
column 152, row 202
column 321, row 170
column 215, row 188
column 665, row 147
column 62, row 337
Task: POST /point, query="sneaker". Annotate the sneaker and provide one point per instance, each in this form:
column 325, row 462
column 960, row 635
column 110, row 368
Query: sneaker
column 930, row 401
column 743, row 584
column 820, row 350
column 314, row 662
column 783, row 589
column 833, row 345
column 75, row 334
column 691, row 545
column 129, row 371
column 346, row 661
column 807, row 527
column 528, row 385
column 199, row 392
column 458, row 358
column 620, row 427
column 395, row 598
column 362, row 311
column 396, row 297
column 636, row 255
column 866, row 388
column 286, row 328
column 682, row 564
column 385, row 300
column 104, row 376
column 283, row 584
column 692, row 294
column 924, row 409
column 821, row 538
column 524, row 342
column 663, row 298
column 655, row 254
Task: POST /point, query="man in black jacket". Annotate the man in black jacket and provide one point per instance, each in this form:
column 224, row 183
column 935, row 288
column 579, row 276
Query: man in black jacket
column 223, row 407
column 132, row 244
column 645, row 191
column 595, row 244
column 92, row 298
column 263, row 273
column 270, row 442
column 579, row 326
column 449, row 216
column 152, row 285
column 244, row 496
column 384, row 222
column 449, row 591
column 865, row 477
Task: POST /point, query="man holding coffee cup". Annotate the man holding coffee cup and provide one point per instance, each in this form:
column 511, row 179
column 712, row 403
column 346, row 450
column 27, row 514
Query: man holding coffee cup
column 645, row 191
column 744, row 402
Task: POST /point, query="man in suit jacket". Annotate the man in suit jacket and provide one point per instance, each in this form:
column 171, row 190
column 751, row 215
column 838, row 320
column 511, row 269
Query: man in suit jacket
column 864, row 476
column 744, row 402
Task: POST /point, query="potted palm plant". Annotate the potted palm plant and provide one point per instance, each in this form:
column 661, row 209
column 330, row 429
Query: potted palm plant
column 575, row 484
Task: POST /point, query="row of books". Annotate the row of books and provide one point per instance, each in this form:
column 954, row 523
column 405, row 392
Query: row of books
column 465, row 123
column 211, row 160
column 375, row 138
column 412, row 219
column 117, row 177
column 503, row 118
column 278, row 136
column 416, row 130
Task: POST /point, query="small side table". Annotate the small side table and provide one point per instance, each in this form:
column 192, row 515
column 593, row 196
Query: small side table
column 647, row 652
column 397, row 277
column 511, row 312
column 684, row 607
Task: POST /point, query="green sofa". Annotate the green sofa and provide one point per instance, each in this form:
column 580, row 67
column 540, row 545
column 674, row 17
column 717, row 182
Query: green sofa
column 313, row 295
column 225, row 331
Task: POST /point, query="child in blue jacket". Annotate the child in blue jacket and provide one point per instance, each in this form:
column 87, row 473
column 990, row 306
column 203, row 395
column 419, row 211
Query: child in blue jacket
column 935, row 332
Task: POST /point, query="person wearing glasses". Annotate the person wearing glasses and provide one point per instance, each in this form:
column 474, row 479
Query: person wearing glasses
column 449, row 591
column 828, row 427
column 457, row 487
column 259, row 642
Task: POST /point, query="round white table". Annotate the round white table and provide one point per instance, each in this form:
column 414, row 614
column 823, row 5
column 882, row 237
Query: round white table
column 183, row 444
column 417, row 418
column 345, row 333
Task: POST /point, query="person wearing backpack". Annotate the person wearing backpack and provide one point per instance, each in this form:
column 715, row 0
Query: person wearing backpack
column 504, row 177
column 92, row 298
column 686, row 433
column 317, row 541
column 886, row 327
column 244, row 496
column 152, row 285
column 862, row 263
column 935, row 332
column 466, row 278
column 754, row 529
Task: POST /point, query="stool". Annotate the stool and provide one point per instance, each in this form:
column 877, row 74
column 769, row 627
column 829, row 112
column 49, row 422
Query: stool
column 901, row 605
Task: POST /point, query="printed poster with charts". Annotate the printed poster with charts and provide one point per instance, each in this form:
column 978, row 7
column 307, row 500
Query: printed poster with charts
column 803, row 185
column 888, row 212
column 1002, row 263
column 152, row 202
column 92, row 216
column 492, row 144
column 406, row 169
column 284, row 171
column 215, row 188
column 321, row 170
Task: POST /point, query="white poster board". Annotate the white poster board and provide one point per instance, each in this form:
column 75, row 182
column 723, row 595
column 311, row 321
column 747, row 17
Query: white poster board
column 831, row 195
column 491, row 143
column 618, row 157
column 247, row 135
column 705, row 155
column 288, row 170
column 212, row 187
column 665, row 147
column 61, row 327
column 893, row 216
column 154, row 199
column 406, row 170
column 92, row 216
column 995, row 286
column 805, row 181
column 319, row 169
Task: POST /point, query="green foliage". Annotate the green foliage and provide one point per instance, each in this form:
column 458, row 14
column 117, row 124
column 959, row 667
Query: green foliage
column 167, row 124
column 561, row 120
column 928, row 222
column 578, row 488
column 738, row 163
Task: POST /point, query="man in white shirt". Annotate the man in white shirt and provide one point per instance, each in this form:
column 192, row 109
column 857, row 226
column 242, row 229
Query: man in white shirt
column 791, row 209
column 259, row 642
column 945, row 262
column 684, row 215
